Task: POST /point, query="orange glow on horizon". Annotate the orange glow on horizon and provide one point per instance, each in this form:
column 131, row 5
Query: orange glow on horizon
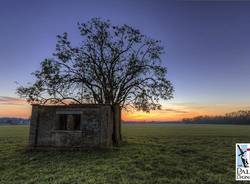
column 156, row 116
column 23, row 110
column 176, row 113
column 15, row 111
column 11, row 107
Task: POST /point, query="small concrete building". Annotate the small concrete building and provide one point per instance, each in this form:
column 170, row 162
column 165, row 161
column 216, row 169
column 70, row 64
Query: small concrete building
column 72, row 126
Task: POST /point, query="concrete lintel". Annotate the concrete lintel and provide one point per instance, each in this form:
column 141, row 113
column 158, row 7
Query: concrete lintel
column 68, row 112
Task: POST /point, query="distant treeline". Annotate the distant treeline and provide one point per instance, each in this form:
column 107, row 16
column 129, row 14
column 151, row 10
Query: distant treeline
column 240, row 117
column 14, row 121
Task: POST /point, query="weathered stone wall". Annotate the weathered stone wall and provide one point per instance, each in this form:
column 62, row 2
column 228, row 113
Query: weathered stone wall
column 96, row 126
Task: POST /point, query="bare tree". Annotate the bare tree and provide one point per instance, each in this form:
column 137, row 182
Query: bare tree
column 112, row 65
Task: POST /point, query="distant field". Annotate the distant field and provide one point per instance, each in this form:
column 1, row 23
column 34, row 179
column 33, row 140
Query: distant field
column 151, row 154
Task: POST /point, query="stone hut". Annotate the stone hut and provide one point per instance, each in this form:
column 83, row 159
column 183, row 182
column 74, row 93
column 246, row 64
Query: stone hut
column 73, row 126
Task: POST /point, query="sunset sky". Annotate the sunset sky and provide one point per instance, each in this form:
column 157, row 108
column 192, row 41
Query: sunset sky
column 207, row 45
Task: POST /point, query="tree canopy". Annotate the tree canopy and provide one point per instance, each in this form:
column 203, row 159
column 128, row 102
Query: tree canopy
column 112, row 65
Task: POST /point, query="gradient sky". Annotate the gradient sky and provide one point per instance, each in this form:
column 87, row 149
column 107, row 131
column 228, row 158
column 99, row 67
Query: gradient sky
column 207, row 46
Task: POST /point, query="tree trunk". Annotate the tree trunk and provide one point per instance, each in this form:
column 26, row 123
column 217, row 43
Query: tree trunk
column 116, row 137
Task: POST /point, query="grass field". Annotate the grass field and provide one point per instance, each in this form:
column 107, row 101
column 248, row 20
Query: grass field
column 151, row 154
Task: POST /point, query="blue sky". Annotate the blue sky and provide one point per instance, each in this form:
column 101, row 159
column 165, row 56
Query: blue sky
column 207, row 44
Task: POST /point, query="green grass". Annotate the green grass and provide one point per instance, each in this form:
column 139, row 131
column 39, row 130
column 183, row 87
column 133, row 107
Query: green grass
column 151, row 154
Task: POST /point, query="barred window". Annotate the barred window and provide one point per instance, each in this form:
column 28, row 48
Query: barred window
column 68, row 121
